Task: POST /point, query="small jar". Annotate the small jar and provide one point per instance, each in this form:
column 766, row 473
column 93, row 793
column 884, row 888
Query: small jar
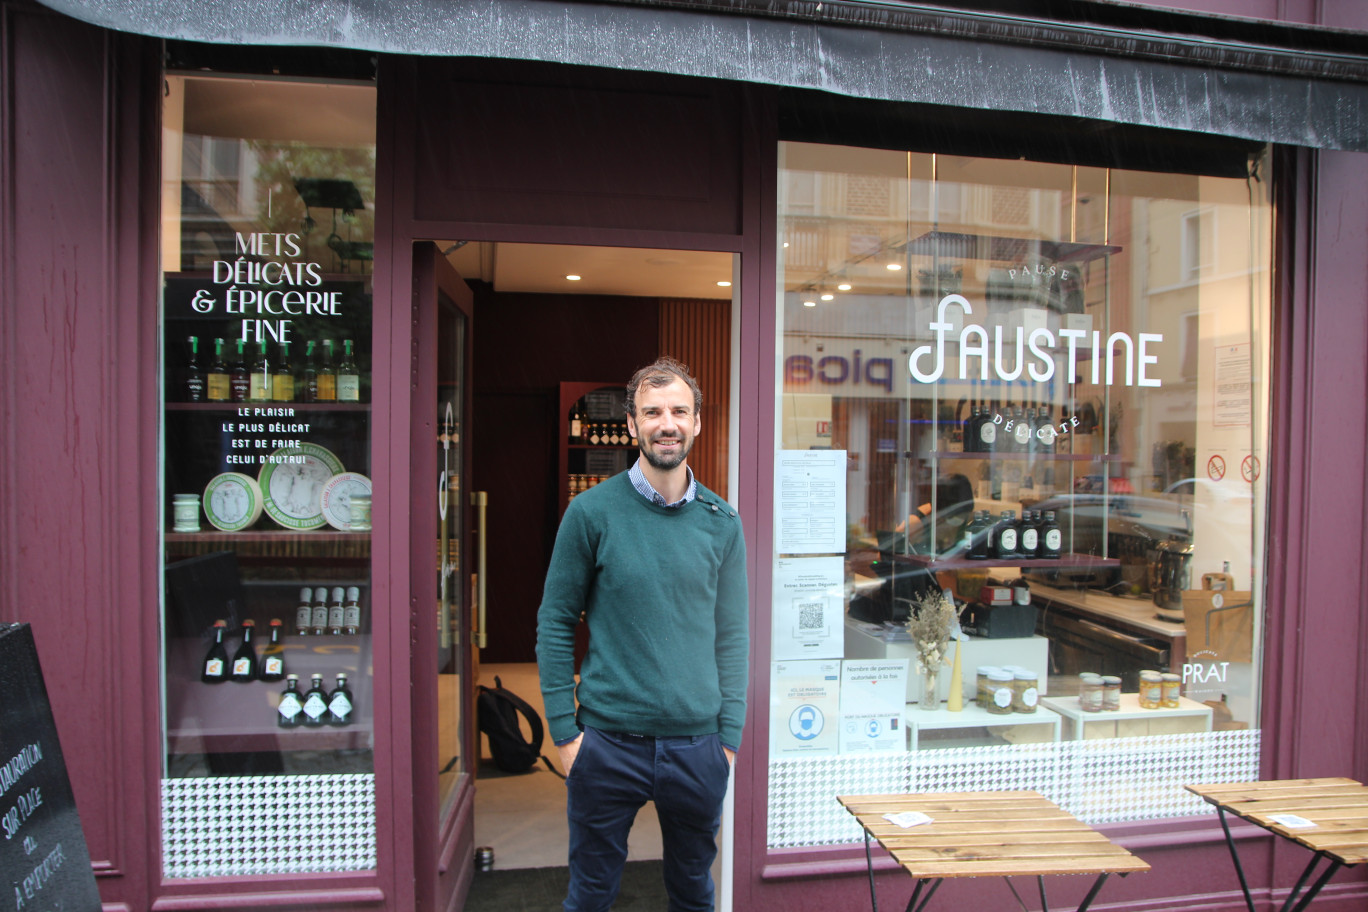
column 1000, row 703
column 185, row 511
column 1151, row 689
column 1172, row 683
column 1090, row 692
column 360, row 509
column 1111, row 693
column 983, row 692
column 1025, row 691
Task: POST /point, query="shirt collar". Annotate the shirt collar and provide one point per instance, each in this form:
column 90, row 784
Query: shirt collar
column 645, row 489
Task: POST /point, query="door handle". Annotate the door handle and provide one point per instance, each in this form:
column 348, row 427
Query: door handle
column 480, row 501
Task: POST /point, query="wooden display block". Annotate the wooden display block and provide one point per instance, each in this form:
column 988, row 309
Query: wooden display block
column 1130, row 721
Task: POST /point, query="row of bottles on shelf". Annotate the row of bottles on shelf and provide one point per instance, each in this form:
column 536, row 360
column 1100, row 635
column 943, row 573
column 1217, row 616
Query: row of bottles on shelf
column 599, row 433
column 994, row 427
column 317, row 615
column 316, row 707
column 317, row 379
column 578, row 484
column 1035, row 536
column 246, row 666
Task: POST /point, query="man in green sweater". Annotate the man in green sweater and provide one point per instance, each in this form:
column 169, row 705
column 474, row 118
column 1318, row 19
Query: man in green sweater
column 656, row 565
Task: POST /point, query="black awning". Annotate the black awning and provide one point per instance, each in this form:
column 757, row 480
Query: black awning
column 1252, row 80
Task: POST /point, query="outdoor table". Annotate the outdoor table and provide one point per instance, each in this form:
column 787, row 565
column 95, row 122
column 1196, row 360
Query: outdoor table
column 986, row 834
column 1327, row 816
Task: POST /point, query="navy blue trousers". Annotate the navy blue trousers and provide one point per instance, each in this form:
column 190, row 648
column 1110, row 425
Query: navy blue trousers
column 612, row 777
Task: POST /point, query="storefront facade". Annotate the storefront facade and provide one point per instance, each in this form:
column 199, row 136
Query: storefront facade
column 1167, row 295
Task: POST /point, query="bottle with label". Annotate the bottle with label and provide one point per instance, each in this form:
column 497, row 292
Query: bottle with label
column 308, row 386
column 1051, row 539
column 216, row 388
column 348, row 376
column 194, row 374
column 239, row 383
column 215, row 667
column 245, row 659
column 315, row 703
column 1021, row 430
column 318, row 618
column 273, row 656
column 981, row 525
column 576, row 424
column 327, row 375
column 1029, row 545
column 336, row 611
column 986, row 435
column 259, row 383
column 304, row 613
column 1044, row 433
column 351, row 612
column 282, row 378
column 290, row 711
column 340, row 703
column 1007, row 536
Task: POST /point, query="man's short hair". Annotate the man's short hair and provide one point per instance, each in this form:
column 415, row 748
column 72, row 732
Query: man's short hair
column 662, row 373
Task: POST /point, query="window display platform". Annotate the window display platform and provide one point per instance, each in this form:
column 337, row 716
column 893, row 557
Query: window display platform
column 977, row 727
column 1131, row 720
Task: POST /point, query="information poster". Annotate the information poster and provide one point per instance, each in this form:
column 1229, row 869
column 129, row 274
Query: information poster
column 809, row 608
column 873, row 696
column 44, row 862
column 804, row 708
column 811, row 502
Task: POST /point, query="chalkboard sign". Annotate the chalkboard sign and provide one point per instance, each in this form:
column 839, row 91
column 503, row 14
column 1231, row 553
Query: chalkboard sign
column 44, row 862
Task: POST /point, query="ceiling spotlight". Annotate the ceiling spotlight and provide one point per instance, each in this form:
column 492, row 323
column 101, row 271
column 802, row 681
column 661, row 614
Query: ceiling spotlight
column 828, row 297
column 724, row 284
column 572, row 278
column 809, row 303
column 844, row 286
column 894, row 267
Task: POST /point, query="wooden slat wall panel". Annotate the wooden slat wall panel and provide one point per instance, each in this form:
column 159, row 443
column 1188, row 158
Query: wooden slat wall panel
column 697, row 332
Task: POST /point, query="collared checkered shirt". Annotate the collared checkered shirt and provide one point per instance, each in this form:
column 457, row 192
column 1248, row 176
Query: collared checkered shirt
column 643, row 487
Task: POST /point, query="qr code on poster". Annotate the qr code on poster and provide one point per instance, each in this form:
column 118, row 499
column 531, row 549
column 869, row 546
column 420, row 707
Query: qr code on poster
column 811, row 616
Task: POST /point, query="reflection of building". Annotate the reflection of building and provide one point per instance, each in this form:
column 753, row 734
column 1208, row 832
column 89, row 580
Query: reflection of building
column 518, row 144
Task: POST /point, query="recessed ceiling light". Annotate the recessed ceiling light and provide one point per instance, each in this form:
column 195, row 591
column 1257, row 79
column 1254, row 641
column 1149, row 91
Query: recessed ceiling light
column 828, row 297
column 894, row 267
column 724, row 284
column 809, row 303
column 844, row 286
column 573, row 278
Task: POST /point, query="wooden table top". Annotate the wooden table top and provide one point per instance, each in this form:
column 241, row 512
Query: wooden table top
column 1337, row 807
column 985, row 834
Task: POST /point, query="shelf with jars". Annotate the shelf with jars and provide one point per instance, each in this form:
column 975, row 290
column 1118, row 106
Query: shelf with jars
column 596, row 442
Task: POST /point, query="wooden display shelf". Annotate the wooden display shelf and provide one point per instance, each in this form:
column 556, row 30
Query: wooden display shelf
column 1064, row 561
column 281, row 543
column 1131, row 720
column 233, row 718
column 1014, row 728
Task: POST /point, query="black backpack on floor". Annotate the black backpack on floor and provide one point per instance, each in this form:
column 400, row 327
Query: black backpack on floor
column 496, row 714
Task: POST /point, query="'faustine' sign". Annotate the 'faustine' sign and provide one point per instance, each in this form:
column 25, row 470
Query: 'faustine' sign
column 1042, row 345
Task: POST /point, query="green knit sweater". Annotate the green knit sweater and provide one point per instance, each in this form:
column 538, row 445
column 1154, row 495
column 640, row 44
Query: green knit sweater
column 664, row 593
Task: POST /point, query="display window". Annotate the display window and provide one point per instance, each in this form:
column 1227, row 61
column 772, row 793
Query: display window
column 1019, row 483
column 268, row 698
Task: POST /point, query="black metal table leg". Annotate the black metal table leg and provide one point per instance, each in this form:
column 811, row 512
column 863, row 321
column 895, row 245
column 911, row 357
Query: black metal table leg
column 869, row 865
column 1335, row 865
column 1096, row 888
column 1044, row 903
column 922, row 882
column 1235, row 857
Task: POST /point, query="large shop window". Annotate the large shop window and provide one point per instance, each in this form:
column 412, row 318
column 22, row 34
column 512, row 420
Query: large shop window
column 268, row 709
column 1019, row 485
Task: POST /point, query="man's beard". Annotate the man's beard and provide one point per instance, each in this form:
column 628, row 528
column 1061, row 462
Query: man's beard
column 665, row 463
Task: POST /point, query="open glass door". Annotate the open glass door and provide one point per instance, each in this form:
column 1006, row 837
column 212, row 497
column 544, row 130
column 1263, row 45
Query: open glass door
column 444, row 600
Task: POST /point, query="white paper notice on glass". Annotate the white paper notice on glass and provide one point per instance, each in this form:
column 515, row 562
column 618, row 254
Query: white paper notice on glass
column 804, row 707
column 810, row 502
column 873, row 696
column 809, row 608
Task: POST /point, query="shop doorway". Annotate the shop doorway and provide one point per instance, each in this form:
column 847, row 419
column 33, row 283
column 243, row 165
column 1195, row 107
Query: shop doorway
column 539, row 335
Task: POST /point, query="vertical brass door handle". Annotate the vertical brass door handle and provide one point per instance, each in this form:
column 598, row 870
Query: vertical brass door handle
column 480, row 501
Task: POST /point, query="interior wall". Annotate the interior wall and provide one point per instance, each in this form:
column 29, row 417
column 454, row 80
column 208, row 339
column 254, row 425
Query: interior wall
column 525, row 346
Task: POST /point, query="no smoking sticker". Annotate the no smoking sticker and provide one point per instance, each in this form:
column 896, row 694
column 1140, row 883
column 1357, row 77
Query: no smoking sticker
column 1249, row 469
column 1216, row 468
